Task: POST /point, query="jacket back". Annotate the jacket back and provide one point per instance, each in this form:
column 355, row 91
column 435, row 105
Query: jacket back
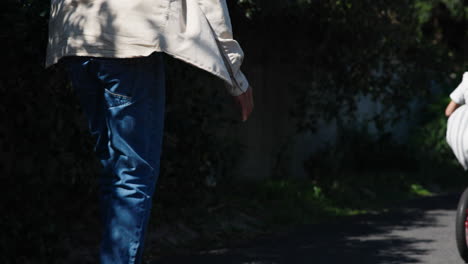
column 197, row 32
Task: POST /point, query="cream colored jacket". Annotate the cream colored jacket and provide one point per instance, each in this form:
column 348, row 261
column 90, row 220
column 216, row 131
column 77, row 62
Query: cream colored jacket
column 196, row 31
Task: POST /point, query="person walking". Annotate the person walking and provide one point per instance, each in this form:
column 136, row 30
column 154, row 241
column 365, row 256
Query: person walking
column 113, row 51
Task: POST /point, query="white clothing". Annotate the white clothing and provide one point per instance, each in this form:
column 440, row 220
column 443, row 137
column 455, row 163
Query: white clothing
column 196, row 31
column 457, row 123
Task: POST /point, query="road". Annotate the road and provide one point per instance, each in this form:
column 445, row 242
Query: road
column 419, row 231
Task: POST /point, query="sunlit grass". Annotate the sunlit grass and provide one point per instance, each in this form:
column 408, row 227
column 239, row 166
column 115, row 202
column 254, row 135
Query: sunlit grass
column 289, row 202
column 240, row 211
column 419, row 190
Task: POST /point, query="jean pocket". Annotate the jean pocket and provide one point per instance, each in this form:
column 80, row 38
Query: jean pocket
column 115, row 99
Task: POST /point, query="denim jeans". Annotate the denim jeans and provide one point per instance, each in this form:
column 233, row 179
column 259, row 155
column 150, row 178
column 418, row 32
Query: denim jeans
column 124, row 101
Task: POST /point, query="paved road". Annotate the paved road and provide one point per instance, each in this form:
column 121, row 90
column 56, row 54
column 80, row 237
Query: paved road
column 421, row 231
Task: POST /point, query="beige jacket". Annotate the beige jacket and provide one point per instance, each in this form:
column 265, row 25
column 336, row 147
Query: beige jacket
column 196, row 31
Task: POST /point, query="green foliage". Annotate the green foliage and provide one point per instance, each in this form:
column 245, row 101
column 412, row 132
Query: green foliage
column 435, row 158
column 420, row 190
column 302, row 202
column 425, row 8
column 358, row 151
column 429, row 136
column 362, row 166
column 390, row 49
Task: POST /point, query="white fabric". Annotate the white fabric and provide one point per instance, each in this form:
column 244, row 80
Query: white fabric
column 460, row 94
column 196, row 31
column 457, row 124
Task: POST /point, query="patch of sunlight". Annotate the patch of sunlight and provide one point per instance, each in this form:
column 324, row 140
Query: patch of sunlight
column 258, row 262
column 420, row 190
column 345, row 211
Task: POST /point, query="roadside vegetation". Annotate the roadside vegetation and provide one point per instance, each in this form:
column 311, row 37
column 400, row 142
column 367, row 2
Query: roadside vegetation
column 392, row 50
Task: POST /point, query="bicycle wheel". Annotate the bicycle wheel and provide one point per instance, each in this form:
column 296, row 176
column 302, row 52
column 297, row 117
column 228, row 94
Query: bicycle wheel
column 461, row 227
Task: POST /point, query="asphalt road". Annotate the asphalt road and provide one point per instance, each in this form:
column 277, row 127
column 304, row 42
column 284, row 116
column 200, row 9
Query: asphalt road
column 419, row 231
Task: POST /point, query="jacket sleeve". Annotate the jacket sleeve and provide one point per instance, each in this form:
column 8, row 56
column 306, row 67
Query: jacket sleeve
column 458, row 95
column 217, row 14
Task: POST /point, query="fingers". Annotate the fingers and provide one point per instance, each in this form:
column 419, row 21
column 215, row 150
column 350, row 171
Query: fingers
column 247, row 105
column 245, row 102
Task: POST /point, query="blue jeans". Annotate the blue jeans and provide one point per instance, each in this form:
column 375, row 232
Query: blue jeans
column 124, row 101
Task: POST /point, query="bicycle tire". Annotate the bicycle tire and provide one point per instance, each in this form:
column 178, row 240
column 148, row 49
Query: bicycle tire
column 462, row 225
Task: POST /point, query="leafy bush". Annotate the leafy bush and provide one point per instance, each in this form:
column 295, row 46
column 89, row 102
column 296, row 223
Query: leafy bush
column 358, row 152
column 435, row 158
column 429, row 135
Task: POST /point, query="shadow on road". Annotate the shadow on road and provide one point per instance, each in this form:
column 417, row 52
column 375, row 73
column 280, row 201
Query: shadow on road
column 358, row 239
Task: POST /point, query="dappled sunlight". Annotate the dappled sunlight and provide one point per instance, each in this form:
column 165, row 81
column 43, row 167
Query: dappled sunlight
column 351, row 97
column 413, row 234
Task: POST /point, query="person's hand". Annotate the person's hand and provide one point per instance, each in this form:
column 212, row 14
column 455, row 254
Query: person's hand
column 451, row 107
column 245, row 102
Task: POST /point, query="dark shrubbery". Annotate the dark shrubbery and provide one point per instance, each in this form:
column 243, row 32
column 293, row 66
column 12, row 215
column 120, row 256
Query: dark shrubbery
column 48, row 169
